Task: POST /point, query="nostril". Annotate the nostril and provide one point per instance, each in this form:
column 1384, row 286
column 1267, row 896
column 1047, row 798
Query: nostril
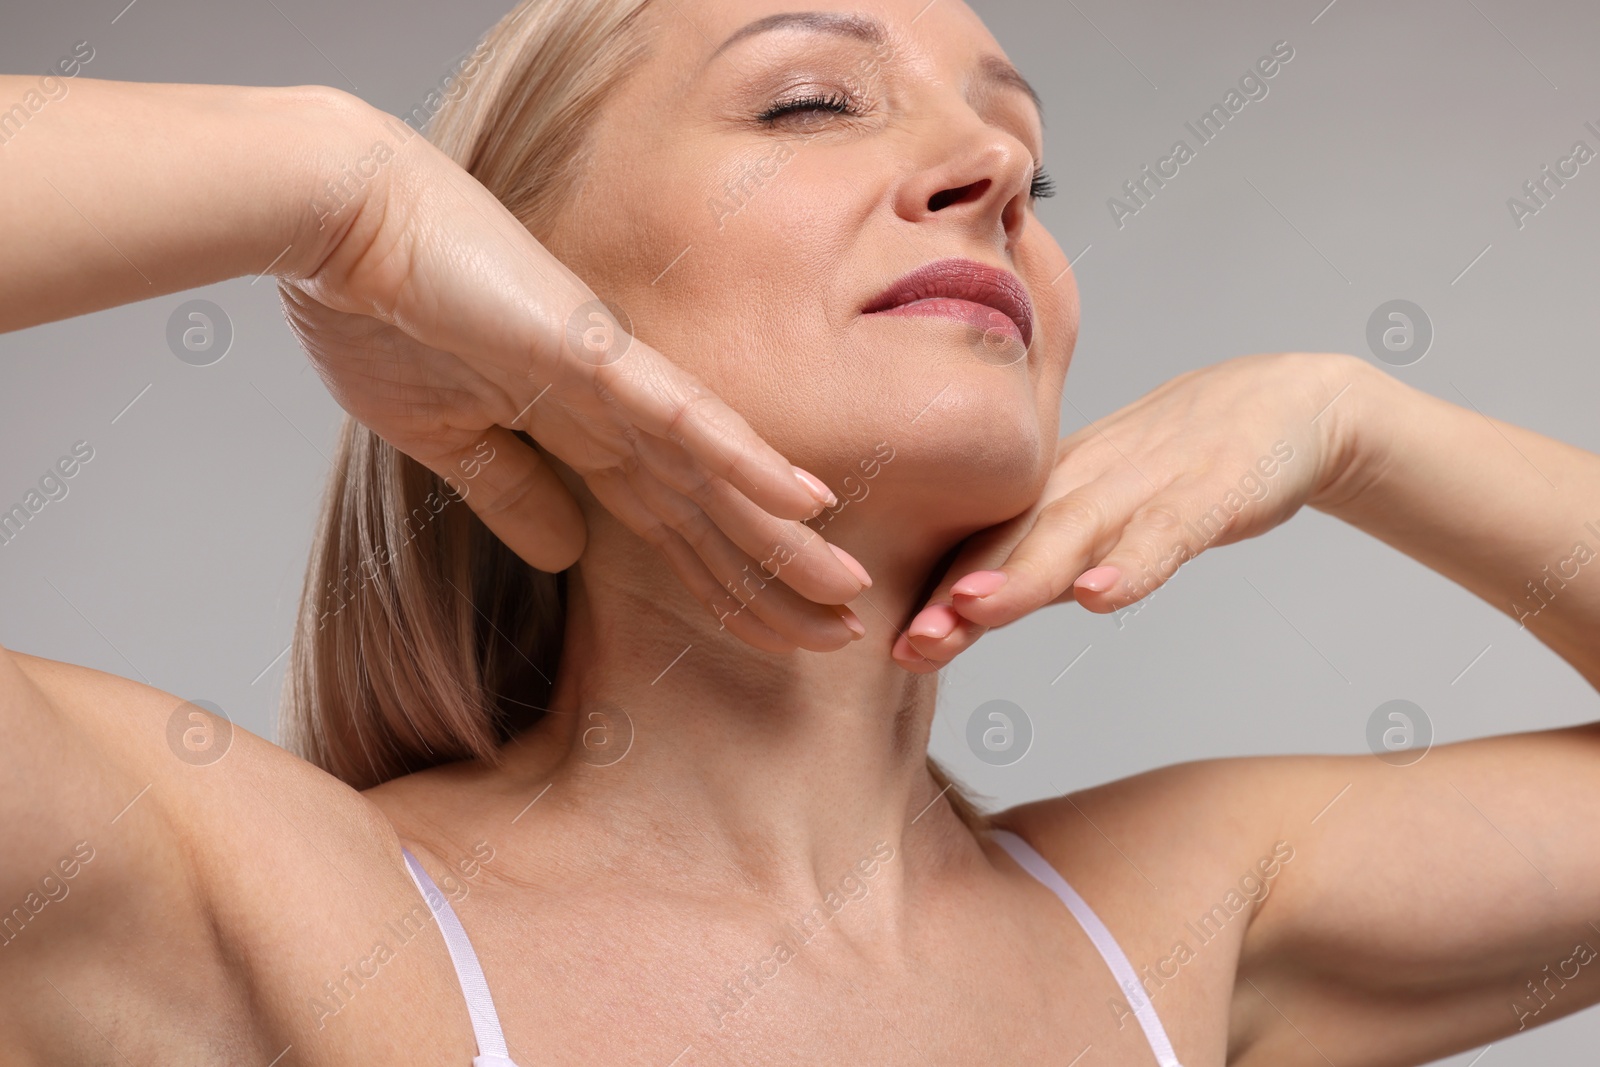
column 966, row 194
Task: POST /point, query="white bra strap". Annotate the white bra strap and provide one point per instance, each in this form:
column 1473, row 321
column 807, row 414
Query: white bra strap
column 1036, row 865
column 480, row 1005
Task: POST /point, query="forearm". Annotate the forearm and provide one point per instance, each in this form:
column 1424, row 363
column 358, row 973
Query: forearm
column 120, row 191
column 1510, row 514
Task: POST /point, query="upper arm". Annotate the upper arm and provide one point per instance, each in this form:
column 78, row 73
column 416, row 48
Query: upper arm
column 108, row 842
column 1355, row 911
column 220, row 893
column 72, row 788
column 1430, row 908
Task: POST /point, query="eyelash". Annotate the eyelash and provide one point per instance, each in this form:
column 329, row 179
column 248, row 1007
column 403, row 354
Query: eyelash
column 834, row 102
column 1043, row 185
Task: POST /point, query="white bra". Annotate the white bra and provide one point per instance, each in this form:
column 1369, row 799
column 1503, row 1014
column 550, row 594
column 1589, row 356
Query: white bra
column 492, row 1041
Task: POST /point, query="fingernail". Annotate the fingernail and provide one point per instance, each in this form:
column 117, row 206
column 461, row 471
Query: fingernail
column 979, row 583
column 853, row 621
column 1098, row 579
column 855, row 568
column 936, row 621
column 903, row 652
column 815, row 487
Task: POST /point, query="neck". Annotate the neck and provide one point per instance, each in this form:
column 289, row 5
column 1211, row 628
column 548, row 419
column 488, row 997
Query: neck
column 794, row 765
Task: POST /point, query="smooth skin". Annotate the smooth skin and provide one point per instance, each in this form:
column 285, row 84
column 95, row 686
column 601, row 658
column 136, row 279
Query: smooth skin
column 225, row 906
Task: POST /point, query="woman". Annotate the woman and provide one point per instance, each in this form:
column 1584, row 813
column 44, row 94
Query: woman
column 648, row 745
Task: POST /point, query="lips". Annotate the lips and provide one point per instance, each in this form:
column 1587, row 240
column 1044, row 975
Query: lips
column 962, row 289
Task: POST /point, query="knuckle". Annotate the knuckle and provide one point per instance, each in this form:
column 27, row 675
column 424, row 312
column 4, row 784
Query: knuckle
column 1159, row 519
column 603, row 391
column 1216, row 523
column 1076, row 514
column 628, row 465
column 656, row 534
column 1034, row 573
column 507, row 497
column 700, row 486
column 696, row 529
column 684, row 409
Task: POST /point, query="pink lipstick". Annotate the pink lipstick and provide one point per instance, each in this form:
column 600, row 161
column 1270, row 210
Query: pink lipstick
column 965, row 290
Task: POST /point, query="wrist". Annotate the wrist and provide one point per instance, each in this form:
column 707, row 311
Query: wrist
column 1355, row 426
column 346, row 150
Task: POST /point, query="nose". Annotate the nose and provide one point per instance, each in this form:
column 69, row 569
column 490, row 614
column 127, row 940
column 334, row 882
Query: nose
column 979, row 177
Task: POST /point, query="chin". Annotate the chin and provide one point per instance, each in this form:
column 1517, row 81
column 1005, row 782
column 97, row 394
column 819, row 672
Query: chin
column 982, row 467
column 975, row 457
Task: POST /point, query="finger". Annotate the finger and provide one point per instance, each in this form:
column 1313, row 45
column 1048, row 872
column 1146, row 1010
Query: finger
column 938, row 633
column 1068, row 536
column 811, row 626
column 668, row 403
column 619, row 499
column 753, row 588
column 1019, row 567
column 721, row 576
column 912, row 660
column 1161, row 535
column 799, row 555
column 935, row 637
column 983, row 552
column 753, row 584
column 745, row 625
column 516, row 493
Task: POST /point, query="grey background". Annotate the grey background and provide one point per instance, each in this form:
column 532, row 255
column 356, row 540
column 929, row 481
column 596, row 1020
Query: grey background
column 1377, row 167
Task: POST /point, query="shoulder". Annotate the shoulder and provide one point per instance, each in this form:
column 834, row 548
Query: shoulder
column 1438, row 874
column 1184, row 821
column 1177, row 862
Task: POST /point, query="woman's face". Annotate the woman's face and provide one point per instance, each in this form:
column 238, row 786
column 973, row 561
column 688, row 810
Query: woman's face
column 761, row 183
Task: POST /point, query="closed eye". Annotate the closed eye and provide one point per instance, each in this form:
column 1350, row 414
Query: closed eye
column 833, row 103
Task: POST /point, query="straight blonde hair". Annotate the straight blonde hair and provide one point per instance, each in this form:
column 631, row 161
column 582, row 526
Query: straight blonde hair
column 421, row 638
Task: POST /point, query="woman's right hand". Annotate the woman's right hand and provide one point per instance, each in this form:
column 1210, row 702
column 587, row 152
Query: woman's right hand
column 438, row 321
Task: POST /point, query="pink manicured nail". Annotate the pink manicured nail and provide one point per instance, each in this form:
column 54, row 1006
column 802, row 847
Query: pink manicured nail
column 907, row 656
column 855, row 568
column 936, row 621
column 853, row 621
column 815, row 487
column 979, row 583
column 1098, row 579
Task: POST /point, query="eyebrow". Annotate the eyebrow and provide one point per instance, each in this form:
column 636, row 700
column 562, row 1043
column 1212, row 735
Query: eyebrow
column 992, row 68
column 838, row 23
column 997, row 70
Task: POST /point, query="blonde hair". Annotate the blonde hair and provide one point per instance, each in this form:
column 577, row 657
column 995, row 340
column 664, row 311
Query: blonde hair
column 421, row 638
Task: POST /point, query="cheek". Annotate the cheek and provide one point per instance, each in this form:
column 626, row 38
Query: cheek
column 715, row 260
column 733, row 271
column 1054, row 289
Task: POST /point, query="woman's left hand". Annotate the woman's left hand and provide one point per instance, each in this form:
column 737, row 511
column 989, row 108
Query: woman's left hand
column 1214, row 456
